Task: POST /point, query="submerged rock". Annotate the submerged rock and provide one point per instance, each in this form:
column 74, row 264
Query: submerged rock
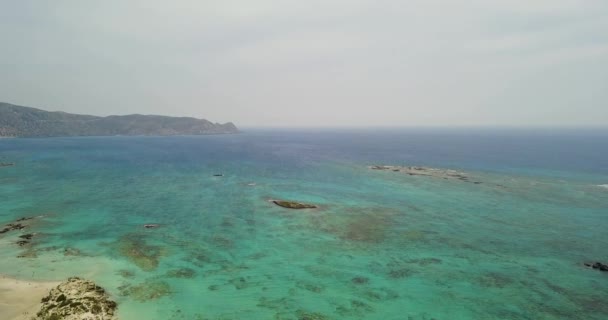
column 77, row 299
column 293, row 204
column 359, row 280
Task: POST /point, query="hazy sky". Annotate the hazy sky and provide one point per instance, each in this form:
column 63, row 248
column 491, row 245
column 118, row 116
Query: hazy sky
column 314, row 62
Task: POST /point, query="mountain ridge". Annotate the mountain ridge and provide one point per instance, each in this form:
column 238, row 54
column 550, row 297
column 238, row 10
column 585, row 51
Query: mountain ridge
column 22, row 121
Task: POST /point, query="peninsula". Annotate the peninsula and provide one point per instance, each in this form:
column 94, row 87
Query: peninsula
column 19, row 121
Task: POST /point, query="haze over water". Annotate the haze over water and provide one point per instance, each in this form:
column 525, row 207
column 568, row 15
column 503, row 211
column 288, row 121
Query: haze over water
column 381, row 245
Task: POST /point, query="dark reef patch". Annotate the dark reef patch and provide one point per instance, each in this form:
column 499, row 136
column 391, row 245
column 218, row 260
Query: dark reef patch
column 126, row 273
column 184, row 273
column 22, row 243
column 494, row 280
column 222, row 241
column 366, row 226
column 400, row 273
column 145, row 291
column 239, row 283
column 28, row 236
column 11, row 227
column 305, row 315
column 312, row 287
column 139, row 252
column 356, row 309
column 425, row 261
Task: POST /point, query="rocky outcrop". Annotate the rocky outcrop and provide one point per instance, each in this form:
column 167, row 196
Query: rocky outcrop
column 597, row 265
column 446, row 174
column 293, row 204
column 77, row 299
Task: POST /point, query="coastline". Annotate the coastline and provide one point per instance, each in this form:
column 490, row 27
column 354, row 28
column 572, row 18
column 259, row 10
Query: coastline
column 20, row 299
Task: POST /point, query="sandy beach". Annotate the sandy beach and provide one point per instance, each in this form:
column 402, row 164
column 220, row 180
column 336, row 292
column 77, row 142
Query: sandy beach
column 20, row 299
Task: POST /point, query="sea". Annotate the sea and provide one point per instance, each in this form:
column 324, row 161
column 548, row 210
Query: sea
column 511, row 242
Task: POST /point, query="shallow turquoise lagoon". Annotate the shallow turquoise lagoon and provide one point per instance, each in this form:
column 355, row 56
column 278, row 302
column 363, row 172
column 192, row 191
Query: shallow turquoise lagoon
column 381, row 245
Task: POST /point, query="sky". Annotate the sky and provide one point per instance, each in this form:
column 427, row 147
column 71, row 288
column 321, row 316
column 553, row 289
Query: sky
column 313, row 63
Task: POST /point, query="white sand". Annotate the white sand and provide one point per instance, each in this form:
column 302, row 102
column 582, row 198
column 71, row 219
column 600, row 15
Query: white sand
column 20, row 299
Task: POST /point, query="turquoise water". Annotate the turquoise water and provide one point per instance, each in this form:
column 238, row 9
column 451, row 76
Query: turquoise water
column 381, row 245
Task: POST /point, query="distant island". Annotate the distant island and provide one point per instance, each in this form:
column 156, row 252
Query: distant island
column 19, row 121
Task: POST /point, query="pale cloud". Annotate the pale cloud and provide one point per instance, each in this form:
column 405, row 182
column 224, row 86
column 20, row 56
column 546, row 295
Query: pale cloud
column 310, row 63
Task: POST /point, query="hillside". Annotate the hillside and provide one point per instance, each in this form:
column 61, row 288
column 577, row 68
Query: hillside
column 19, row 121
